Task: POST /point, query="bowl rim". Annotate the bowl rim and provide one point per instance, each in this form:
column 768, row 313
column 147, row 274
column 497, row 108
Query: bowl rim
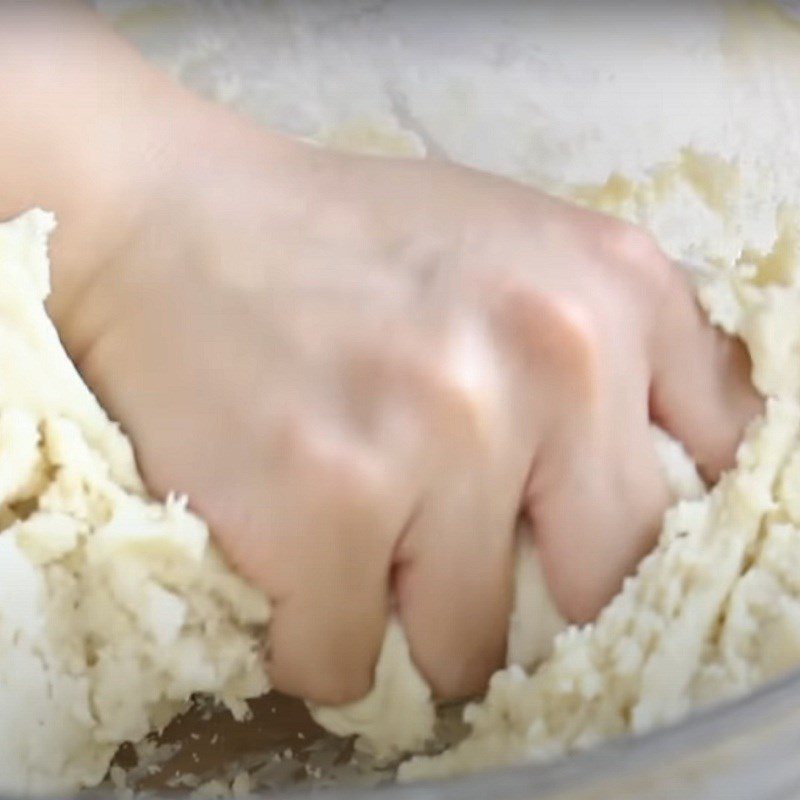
column 631, row 754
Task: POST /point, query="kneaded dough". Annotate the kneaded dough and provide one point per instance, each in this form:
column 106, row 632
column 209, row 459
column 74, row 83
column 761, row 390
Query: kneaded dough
column 715, row 609
column 116, row 609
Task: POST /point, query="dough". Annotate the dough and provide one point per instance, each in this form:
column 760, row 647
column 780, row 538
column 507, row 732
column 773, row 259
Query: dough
column 114, row 609
column 715, row 609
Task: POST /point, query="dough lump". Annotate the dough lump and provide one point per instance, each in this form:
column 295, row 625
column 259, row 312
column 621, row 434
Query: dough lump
column 116, row 609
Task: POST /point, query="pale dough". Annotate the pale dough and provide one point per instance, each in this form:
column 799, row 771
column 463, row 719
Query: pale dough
column 715, row 609
column 115, row 609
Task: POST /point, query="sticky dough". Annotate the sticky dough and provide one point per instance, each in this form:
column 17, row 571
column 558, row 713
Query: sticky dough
column 115, row 609
column 715, row 609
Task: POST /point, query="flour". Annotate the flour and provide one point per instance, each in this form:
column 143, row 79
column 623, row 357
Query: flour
column 114, row 609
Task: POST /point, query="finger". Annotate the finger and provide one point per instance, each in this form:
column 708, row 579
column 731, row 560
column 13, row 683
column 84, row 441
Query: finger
column 596, row 499
column 701, row 391
column 325, row 638
column 453, row 583
column 324, row 557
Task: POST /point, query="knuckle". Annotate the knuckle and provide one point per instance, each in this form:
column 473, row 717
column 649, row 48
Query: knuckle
column 634, row 247
column 518, row 308
column 335, row 468
column 578, row 341
column 463, row 400
column 555, row 332
column 450, row 387
column 627, row 242
column 575, row 321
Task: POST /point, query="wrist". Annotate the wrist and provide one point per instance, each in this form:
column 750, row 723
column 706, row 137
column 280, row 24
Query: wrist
column 106, row 153
column 78, row 133
column 170, row 173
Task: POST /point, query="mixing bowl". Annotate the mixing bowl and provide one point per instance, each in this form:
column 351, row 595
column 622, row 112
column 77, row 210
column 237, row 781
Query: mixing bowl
column 742, row 750
column 542, row 92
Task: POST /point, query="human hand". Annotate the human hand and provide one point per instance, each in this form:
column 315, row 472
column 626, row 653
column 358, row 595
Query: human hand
column 363, row 371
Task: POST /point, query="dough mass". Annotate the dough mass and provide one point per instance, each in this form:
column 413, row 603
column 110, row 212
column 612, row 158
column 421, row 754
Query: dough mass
column 715, row 609
column 115, row 609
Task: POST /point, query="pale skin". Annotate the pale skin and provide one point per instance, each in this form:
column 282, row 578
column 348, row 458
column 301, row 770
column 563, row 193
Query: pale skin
column 362, row 371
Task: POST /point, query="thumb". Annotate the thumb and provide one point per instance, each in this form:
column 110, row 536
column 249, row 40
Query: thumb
column 701, row 390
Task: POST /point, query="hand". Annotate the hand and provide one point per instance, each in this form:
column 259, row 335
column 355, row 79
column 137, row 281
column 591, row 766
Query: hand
column 362, row 371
